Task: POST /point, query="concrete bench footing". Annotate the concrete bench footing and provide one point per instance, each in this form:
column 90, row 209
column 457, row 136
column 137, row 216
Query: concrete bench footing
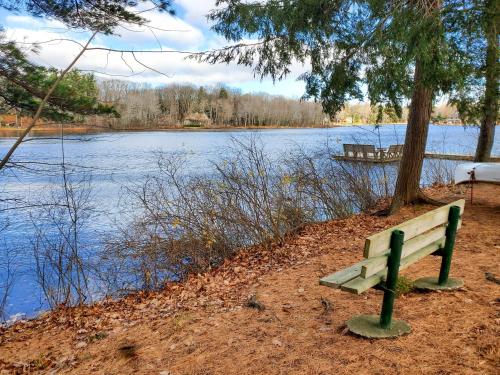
column 431, row 283
column 369, row 326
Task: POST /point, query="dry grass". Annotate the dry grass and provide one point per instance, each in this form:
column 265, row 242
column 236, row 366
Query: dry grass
column 203, row 326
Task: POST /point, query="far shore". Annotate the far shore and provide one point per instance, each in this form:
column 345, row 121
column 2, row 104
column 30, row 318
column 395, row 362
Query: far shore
column 9, row 132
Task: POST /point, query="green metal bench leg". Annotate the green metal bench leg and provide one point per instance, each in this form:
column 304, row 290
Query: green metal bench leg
column 373, row 326
column 444, row 282
column 393, row 262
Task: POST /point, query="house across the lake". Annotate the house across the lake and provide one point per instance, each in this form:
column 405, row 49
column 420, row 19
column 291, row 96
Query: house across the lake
column 11, row 120
column 196, row 119
column 16, row 121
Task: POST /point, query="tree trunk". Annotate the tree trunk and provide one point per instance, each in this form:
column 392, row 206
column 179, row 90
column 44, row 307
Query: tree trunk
column 408, row 182
column 491, row 94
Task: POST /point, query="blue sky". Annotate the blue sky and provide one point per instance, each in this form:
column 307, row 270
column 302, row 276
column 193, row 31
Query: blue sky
column 189, row 31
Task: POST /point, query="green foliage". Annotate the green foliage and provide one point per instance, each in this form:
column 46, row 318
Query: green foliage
column 474, row 31
column 438, row 118
column 223, row 94
column 351, row 43
column 392, row 113
column 404, row 285
column 23, row 84
column 101, row 16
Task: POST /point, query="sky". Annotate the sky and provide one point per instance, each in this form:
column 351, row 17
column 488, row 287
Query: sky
column 188, row 30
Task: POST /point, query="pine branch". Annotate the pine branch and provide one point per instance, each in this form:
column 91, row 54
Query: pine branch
column 38, row 113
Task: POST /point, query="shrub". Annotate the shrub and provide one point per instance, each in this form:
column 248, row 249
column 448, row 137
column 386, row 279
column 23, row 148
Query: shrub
column 188, row 223
column 403, row 286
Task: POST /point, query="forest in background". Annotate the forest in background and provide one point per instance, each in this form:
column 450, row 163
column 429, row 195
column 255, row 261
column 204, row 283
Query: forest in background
column 185, row 105
column 129, row 105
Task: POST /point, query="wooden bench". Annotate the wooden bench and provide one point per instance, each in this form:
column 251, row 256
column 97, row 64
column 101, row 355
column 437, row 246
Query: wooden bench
column 360, row 151
column 394, row 249
column 394, row 152
column 369, row 153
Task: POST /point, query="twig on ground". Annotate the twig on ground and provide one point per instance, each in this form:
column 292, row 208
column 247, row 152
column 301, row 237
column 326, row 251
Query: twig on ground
column 253, row 303
column 490, row 277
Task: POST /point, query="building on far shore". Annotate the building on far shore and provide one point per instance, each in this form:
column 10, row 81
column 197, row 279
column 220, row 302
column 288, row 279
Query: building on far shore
column 12, row 120
column 196, row 119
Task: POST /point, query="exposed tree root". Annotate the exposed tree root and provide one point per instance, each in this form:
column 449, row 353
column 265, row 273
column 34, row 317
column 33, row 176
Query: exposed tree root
column 423, row 198
column 383, row 212
column 396, row 204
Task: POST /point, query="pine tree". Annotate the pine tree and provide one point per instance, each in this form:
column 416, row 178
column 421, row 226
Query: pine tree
column 98, row 17
column 400, row 50
column 492, row 76
column 23, row 85
column 477, row 97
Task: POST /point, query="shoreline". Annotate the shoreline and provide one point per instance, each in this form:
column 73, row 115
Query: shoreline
column 192, row 327
column 7, row 132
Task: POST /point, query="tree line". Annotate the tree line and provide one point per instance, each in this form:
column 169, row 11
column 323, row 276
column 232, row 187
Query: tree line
column 81, row 98
column 186, row 105
column 176, row 105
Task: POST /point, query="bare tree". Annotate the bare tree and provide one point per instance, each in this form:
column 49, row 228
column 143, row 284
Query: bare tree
column 60, row 254
column 186, row 223
column 176, row 105
column 8, row 267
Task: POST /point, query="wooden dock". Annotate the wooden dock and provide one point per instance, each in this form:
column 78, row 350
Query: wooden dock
column 493, row 159
column 371, row 154
column 366, row 160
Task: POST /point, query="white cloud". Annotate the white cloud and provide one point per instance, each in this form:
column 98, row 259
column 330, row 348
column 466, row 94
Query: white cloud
column 60, row 53
column 176, row 68
column 196, row 10
column 31, row 22
column 23, row 20
column 164, row 29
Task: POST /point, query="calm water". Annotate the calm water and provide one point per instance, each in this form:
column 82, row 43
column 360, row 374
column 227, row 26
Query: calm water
column 115, row 160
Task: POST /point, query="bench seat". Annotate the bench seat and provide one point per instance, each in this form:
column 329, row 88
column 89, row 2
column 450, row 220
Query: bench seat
column 424, row 235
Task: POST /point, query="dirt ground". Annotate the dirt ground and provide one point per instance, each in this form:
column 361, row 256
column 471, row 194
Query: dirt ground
column 294, row 325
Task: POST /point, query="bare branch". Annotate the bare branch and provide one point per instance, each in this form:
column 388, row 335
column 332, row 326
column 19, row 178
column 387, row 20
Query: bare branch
column 43, row 103
column 150, row 68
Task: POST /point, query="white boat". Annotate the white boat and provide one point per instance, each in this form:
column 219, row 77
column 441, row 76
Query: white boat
column 485, row 172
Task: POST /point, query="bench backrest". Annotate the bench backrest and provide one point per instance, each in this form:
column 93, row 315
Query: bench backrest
column 368, row 151
column 395, row 150
column 349, row 149
column 421, row 226
column 423, row 236
column 358, row 150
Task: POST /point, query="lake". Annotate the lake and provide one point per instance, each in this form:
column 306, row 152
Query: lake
column 118, row 160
